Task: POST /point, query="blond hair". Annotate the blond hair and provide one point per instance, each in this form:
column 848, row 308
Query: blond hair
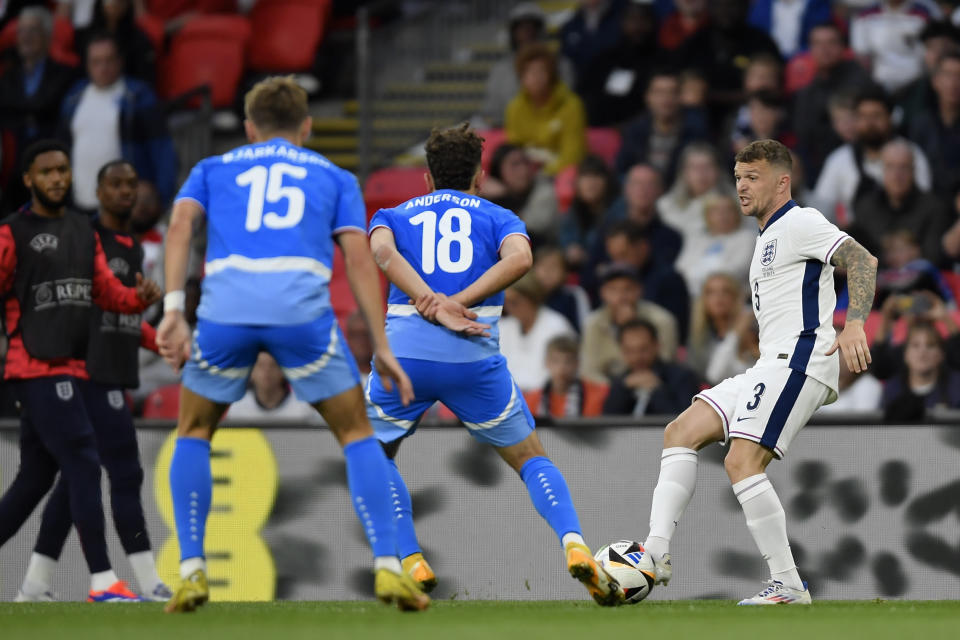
column 276, row 104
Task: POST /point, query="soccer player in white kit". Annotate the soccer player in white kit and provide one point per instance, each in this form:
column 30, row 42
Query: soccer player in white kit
column 762, row 410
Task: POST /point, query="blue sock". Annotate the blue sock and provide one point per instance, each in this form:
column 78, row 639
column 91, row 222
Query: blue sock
column 368, row 476
column 402, row 513
column 550, row 495
column 191, row 485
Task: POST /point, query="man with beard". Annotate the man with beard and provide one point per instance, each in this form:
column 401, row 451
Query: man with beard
column 52, row 272
column 852, row 170
column 115, row 339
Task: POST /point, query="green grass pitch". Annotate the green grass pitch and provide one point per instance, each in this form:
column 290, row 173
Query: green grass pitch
column 486, row 620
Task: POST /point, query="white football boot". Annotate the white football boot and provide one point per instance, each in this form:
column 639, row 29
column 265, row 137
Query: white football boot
column 45, row 596
column 661, row 568
column 778, row 593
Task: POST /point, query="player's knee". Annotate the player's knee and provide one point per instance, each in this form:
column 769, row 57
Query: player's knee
column 681, row 432
column 739, row 464
column 195, row 430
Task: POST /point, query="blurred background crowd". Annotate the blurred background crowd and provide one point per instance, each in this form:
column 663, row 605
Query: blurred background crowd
column 610, row 129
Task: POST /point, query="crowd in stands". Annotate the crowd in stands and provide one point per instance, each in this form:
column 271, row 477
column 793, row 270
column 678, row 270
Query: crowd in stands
column 638, row 294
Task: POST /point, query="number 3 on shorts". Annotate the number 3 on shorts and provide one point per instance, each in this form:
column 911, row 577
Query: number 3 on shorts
column 758, row 390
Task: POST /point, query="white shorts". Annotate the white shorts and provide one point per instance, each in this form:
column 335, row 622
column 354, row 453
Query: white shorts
column 768, row 405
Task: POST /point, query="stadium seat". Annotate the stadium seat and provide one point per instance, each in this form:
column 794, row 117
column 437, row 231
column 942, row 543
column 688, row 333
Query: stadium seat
column 604, row 142
column 953, row 282
column 209, row 50
column 564, row 186
column 163, row 403
column 492, row 138
column 153, row 28
column 389, row 187
column 288, row 34
column 61, row 45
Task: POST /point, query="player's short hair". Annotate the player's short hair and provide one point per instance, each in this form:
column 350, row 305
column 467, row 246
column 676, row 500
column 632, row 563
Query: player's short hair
column 776, row 154
column 453, row 156
column 638, row 324
column 533, row 52
column 42, row 146
column 110, row 165
column 276, row 104
column 564, row 344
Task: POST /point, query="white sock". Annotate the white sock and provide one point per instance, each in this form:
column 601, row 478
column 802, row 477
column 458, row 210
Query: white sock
column 190, row 565
column 391, row 563
column 39, row 576
column 571, row 537
column 768, row 524
column 678, row 479
column 103, row 580
column 145, row 570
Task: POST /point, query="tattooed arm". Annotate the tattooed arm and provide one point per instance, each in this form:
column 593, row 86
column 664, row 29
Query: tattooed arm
column 861, row 270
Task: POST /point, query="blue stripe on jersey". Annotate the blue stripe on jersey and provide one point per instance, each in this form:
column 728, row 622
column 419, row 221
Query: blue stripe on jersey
column 811, row 316
column 781, row 410
column 779, row 213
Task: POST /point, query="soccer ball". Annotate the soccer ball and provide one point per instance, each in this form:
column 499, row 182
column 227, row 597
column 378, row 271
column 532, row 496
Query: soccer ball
column 627, row 561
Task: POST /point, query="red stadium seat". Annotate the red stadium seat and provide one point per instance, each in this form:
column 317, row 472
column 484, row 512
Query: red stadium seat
column 153, row 28
column 564, row 185
column 604, row 142
column 163, row 403
column 207, row 51
column 389, row 187
column 61, row 45
column 288, row 34
column 492, row 138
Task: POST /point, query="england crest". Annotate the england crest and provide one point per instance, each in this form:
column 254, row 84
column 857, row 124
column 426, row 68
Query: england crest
column 65, row 390
column 115, row 398
column 768, row 253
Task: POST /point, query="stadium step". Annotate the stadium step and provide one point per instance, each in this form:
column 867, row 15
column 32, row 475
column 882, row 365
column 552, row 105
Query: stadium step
column 436, row 90
column 394, row 108
column 454, row 71
column 487, row 51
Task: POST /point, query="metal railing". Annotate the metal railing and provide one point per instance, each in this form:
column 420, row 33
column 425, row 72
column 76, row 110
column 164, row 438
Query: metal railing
column 190, row 127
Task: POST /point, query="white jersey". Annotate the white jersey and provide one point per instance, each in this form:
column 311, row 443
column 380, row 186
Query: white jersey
column 791, row 280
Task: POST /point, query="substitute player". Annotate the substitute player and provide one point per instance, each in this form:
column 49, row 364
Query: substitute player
column 453, row 243
column 273, row 210
column 52, row 273
column 111, row 363
column 761, row 410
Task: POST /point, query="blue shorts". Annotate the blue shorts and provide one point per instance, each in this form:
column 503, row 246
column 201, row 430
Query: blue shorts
column 314, row 358
column 482, row 394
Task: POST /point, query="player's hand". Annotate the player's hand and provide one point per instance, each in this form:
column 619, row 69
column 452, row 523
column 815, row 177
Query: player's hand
column 428, row 304
column 173, row 339
column 852, row 343
column 451, row 314
column 147, row 290
column 390, row 372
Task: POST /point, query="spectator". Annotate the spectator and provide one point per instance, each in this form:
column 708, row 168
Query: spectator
column 641, row 191
column 357, row 334
column 682, row 206
column 725, row 247
column 843, row 115
column 937, row 130
column 31, row 91
column 613, row 85
column 514, row 184
column 688, row 17
column 905, row 272
column 658, row 136
column 717, row 343
column 109, row 116
column 526, row 25
column 10, row 9
column 546, row 117
column 722, row 50
column 789, row 22
column 592, row 30
column 886, row 38
column 649, row 386
column 621, row 294
column 566, row 395
column 857, row 392
column 270, row 397
column 526, row 330
column 951, row 239
column 594, row 191
column 116, row 17
column 856, row 168
column 693, row 90
column 766, row 119
column 919, row 97
column 629, row 244
column 899, row 204
column 924, row 382
column 813, row 123
column 569, row 300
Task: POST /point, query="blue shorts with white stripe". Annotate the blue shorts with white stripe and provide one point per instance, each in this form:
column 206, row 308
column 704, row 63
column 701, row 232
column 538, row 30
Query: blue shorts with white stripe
column 313, row 356
column 482, row 394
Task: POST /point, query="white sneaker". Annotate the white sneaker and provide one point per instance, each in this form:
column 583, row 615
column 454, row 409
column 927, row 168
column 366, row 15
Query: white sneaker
column 46, row 596
column 160, row 593
column 778, row 593
column 662, row 568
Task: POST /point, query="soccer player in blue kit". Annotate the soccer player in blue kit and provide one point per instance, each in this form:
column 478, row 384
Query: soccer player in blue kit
column 449, row 251
column 273, row 210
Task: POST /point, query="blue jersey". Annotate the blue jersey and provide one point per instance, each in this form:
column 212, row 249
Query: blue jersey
column 272, row 210
column 451, row 239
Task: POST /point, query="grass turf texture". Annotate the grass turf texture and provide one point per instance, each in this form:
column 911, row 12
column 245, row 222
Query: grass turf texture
column 485, row 620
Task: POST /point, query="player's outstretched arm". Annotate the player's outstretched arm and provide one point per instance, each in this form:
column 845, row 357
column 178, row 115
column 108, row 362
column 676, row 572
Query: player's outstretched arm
column 447, row 312
column 173, row 334
column 516, row 258
column 861, row 269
